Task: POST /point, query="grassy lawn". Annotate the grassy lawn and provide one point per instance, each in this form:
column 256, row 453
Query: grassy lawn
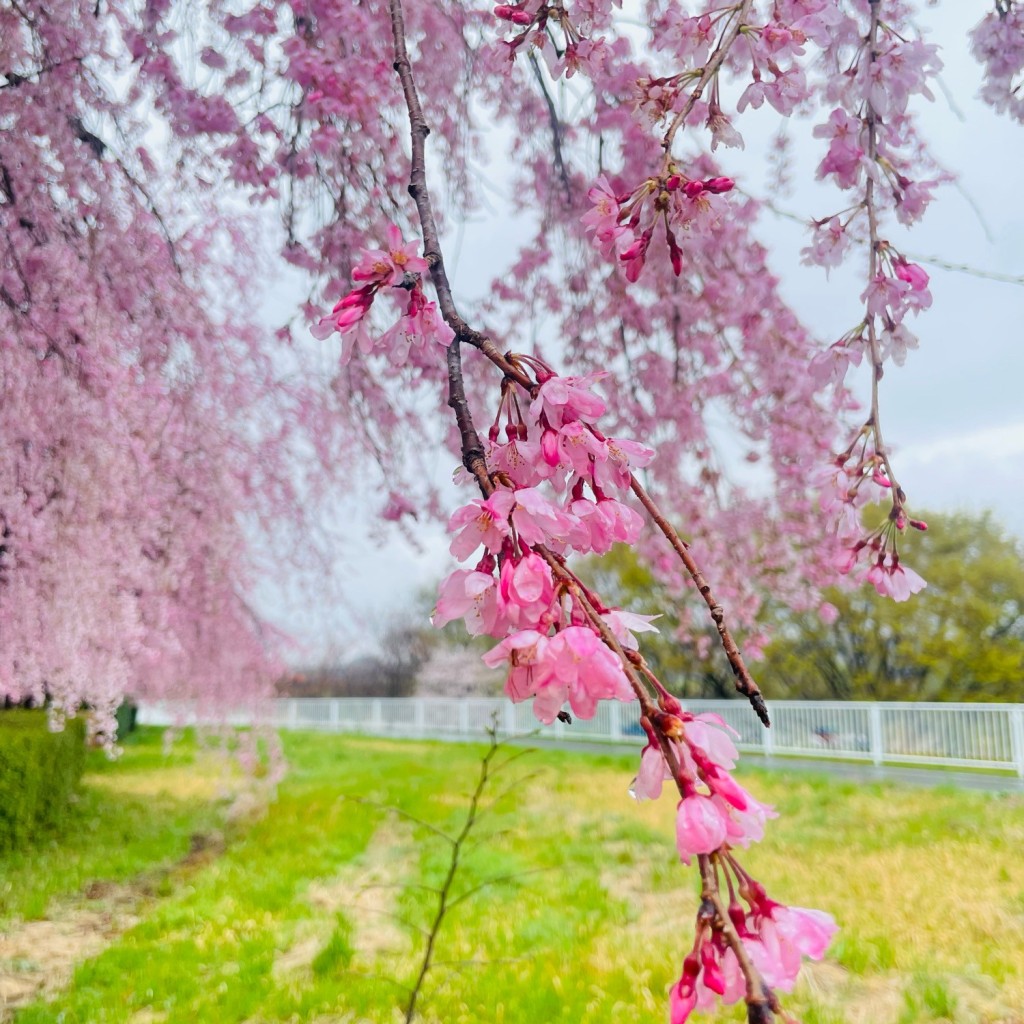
column 312, row 912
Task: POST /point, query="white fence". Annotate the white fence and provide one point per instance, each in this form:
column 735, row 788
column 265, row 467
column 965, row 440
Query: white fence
column 985, row 736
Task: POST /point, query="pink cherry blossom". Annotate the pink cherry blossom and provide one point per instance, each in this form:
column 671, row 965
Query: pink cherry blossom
column 701, row 826
column 586, row 670
column 538, row 520
column 468, row 595
column 526, row 592
column 481, row 522
column 563, row 399
column 912, row 274
column 653, row 772
column 710, row 733
column 625, row 624
column 525, row 653
column 891, row 579
column 623, row 457
column 389, row 266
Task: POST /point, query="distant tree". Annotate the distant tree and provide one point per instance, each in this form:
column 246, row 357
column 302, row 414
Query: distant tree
column 961, row 639
column 405, row 645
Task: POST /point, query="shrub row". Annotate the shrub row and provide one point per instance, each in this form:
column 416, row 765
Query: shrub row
column 39, row 772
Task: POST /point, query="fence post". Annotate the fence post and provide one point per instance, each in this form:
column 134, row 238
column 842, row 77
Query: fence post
column 376, row 715
column 1017, row 738
column 293, row 714
column 615, row 721
column 509, row 718
column 768, row 741
column 464, row 718
column 419, row 716
column 875, row 725
column 334, row 715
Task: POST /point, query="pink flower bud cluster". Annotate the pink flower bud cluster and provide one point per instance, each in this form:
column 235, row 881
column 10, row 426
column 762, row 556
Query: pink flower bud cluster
column 395, row 267
column 715, row 810
column 877, row 554
column 775, row 937
column 871, row 137
column 563, row 36
column 883, row 569
column 557, row 482
column 624, row 225
column 998, row 43
column 715, row 816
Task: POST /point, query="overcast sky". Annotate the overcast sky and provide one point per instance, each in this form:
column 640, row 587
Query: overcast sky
column 954, row 414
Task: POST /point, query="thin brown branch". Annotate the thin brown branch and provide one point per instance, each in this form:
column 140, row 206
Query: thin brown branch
column 744, row 680
column 472, row 449
column 758, row 999
column 556, row 127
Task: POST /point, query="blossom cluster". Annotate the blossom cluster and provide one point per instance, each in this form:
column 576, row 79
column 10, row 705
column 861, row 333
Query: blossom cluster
column 998, row 43
column 555, row 484
column 565, row 37
column 716, row 815
column 557, row 487
column 855, row 479
column 873, row 154
column 624, row 224
column 394, row 267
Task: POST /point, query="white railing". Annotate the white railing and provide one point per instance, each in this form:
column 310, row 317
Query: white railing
column 985, row 736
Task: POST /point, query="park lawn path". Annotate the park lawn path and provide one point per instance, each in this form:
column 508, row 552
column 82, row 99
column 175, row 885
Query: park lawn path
column 129, row 840
column 314, row 912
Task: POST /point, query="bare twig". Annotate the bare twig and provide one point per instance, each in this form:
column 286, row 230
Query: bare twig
column 556, row 127
column 401, row 813
column 445, row 900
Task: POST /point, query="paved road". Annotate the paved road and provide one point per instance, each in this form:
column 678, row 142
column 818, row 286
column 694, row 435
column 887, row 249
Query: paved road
column 992, row 782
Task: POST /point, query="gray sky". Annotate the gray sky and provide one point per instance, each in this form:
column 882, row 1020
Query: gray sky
column 954, row 413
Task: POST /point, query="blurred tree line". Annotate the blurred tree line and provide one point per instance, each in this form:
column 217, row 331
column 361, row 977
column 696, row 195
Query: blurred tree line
column 403, row 647
column 961, row 639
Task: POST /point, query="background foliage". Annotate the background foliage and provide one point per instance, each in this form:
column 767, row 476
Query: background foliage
column 39, row 772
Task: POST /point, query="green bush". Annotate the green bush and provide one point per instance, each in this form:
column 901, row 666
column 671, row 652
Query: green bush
column 39, row 771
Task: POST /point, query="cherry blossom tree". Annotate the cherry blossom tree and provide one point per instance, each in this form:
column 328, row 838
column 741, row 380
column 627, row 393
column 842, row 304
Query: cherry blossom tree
column 146, row 418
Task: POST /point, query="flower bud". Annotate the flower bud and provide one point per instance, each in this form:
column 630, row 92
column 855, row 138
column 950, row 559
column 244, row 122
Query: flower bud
column 670, row 725
column 692, row 189
column 720, row 184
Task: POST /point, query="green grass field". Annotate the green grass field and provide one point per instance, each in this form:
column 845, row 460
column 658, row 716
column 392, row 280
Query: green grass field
column 311, row 911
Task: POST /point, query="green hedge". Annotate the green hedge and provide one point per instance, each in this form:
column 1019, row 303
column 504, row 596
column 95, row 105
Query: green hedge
column 39, row 771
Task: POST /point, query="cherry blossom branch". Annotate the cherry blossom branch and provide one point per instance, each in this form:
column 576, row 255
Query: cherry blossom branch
column 592, row 653
column 472, row 449
column 738, row 20
column 419, row 130
column 874, row 245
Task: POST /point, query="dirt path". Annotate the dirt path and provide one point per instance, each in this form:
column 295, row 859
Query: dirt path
column 38, row 958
